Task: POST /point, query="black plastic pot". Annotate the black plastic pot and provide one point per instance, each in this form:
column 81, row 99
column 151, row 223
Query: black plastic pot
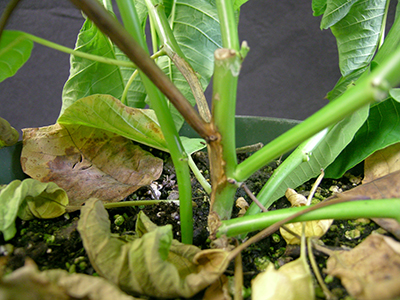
column 249, row 130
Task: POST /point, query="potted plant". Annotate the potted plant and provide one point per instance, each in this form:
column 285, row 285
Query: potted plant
column 111, row 59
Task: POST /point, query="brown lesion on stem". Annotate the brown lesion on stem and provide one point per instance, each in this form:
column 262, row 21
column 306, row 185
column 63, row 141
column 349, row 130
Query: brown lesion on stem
column 218, row 180
column 193, row 81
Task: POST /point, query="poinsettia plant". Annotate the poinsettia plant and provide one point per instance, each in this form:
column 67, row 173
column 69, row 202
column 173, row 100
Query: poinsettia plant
column 113, row 77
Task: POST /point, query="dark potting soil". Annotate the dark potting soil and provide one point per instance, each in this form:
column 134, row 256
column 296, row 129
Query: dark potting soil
column 56, row 243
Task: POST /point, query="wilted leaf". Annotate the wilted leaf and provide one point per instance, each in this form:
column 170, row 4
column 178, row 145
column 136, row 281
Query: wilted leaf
column 29, row 284
column 87, row 162
column 27, row 199
column 8, row 135
column 219, row 290
column 385, row 187
column 381, row 163
column 312, row 228
column 153, row 264
column 371, row 270
column 15, row 50
column 293, row 281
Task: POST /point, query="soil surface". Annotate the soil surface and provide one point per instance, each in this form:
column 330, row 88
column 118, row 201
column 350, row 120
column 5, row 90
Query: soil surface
column 56, row 243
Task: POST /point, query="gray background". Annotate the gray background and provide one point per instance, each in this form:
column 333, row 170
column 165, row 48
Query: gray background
column 291, row 66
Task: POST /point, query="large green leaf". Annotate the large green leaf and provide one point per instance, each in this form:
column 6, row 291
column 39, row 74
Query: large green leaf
column 318, row 7
column 335, row 11
column 27, row 199
column 358, row 34
column 15, row 50
column 378, row 134
column 196, row 29
column 108, row 113
column 88, row 77
column 382, row 129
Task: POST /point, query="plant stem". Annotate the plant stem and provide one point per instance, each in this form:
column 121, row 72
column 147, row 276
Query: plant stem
column 7, row 13
column 160, row 22
column 64, row 49
column 222, row 153
column 134, row 75
column 223, row 156
column 339, row 210
column 227, row 20
column 200, row 178
column 373, row 87
column 158, row 103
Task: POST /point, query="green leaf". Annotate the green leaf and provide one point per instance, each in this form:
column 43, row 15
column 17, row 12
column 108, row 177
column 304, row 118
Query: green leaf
column 27, row 199
column 193, row 145
column 238, row 3
column 318, row 7
column 345, row 82
column 152, row 263
column 395, row 94
column 15, row 50
column 8, row 134
column 196, row 29
column 358, row 34
column 108, row 113
column 335, row 11
column 88, row 77
column 382, row 129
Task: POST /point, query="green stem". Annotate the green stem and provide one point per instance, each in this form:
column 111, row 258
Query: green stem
column 222, row 156
column 137, row 203
column 226, row 72
column 158, row 103
column 200, row 178
column 383, row 208
column 160, row 24
column 134, row 75
column 61, row 48
column 228, row 24
column 373, row 87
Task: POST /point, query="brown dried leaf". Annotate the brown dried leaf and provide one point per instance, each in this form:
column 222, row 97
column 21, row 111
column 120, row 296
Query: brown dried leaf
column 371, row 270
column 29, row 284
column 219, row 290
column 242, row 204
column 87, row 162
column 295, row 198
column 153, row 264
column 385, row 187
column 382, row 162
